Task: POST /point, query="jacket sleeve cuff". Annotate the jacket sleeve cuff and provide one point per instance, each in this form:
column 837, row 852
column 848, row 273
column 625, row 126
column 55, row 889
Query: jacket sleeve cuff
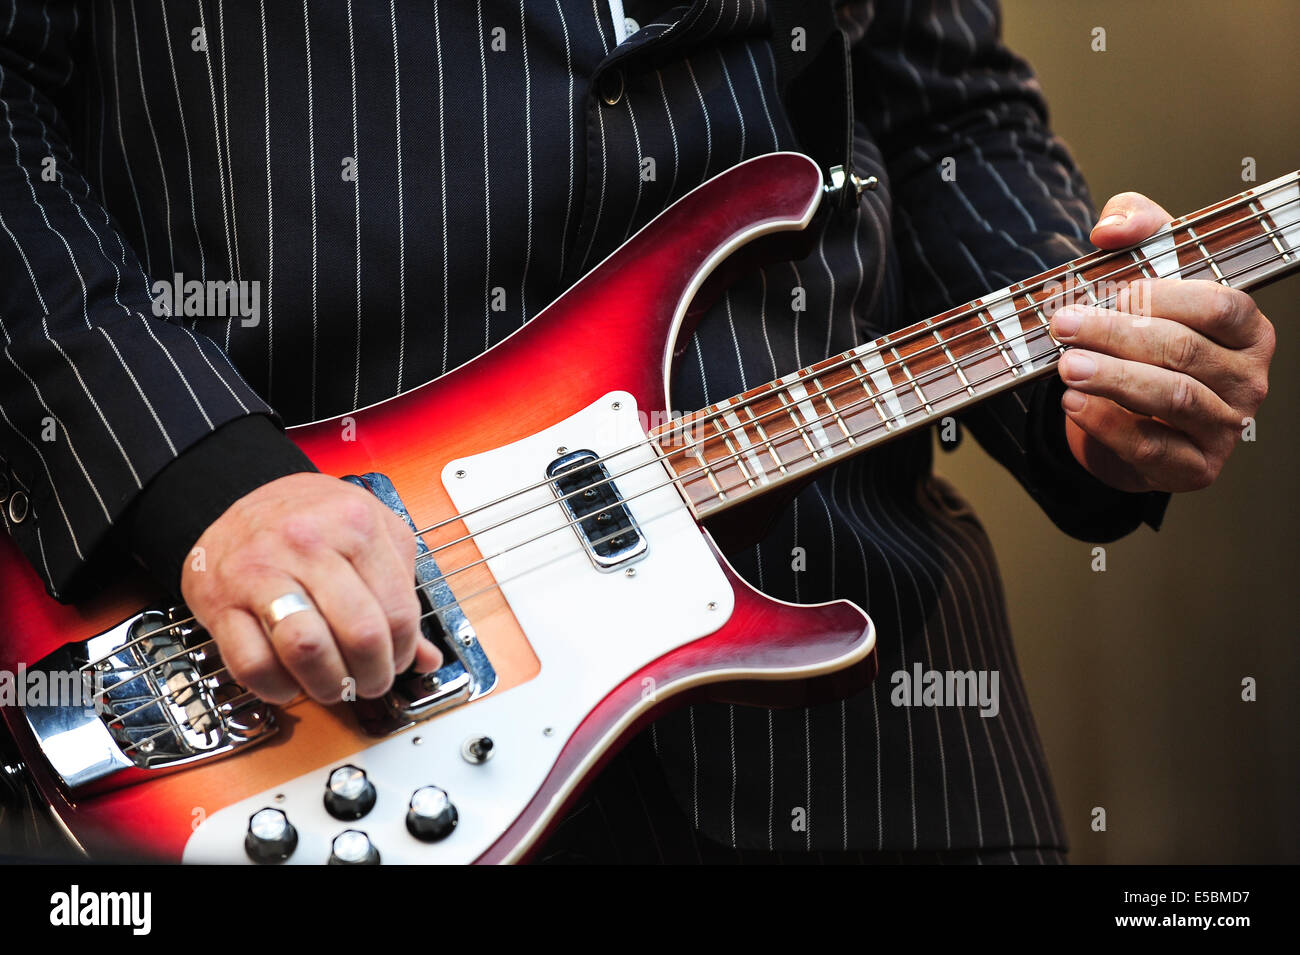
column 1077, row 502
column 196, row 488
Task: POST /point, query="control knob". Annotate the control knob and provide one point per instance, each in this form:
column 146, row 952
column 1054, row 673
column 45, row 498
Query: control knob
column 271, row 837
column 431, row 816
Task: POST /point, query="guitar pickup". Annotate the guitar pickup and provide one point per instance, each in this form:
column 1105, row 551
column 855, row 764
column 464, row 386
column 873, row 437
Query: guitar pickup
column 596, row 510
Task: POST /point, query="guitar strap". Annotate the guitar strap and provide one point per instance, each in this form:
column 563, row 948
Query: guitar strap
column 814, row 68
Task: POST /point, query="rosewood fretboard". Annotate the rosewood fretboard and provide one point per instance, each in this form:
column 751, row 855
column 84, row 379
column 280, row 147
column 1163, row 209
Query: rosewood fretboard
column 812, row 418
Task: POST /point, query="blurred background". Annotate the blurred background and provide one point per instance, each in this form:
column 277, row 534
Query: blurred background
column 1136, row 674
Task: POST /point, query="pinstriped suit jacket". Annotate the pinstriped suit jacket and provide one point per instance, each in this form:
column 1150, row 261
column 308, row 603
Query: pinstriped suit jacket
column 406, row 183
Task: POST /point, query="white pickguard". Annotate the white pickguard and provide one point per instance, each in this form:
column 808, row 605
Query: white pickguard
column 590, row 630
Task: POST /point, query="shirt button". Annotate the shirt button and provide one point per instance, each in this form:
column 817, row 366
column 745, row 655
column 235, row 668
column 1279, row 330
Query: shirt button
column 610, row 87
column 630, row 26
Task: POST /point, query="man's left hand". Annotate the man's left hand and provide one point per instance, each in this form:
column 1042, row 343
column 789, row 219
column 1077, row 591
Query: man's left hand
column 1157, row 388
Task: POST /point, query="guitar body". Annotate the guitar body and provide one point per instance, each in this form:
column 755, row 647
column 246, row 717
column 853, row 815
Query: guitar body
column 579, row 655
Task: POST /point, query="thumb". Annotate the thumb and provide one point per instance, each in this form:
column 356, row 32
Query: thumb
column 1127, row 218
column 427, row 657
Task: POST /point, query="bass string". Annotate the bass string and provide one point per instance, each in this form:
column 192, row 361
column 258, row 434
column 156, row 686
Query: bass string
column 964, row 314
column 714, row 418
column 827, row 418
column 866, row 431
column 1264, row 237
column 496, row 585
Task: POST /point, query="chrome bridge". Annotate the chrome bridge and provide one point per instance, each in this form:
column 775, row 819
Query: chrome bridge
column 149, row 694
column 152, row 694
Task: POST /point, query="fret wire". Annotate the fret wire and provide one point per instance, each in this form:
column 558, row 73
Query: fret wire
column 952, row 361
column 762, row 433
column 1208, row 257
column 826, row 397
column 907, row 372
column 1143, row 263
column 1060, row 349
column 708, row 471
column 748, row 450
column 865, row 380
column 791, row 410
column 1087, row 286
column 1261, row 212
column 989, row 329
column 1037, row 309
column 726, row 439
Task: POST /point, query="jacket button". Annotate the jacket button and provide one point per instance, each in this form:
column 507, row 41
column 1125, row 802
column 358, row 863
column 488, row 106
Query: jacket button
column 610, row 87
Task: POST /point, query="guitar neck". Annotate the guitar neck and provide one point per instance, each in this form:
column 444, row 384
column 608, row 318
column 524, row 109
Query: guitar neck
column 809, row 420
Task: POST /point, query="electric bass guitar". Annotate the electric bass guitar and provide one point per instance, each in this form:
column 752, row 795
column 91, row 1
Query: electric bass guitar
column 567, row 559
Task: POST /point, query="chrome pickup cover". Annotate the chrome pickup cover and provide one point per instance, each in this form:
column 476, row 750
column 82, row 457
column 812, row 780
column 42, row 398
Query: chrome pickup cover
column 466, row 673
column 608, row 531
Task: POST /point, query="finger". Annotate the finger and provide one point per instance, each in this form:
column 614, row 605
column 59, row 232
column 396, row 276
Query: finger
column 1127, row 218
column 1165, row 459
column 387, row 567
column 1100, row 461
column 1155, row 341
column 356, row 620
column 1228, row 316
column 425, row 656
column 249, row 657
column 302, row 641
column 1178, row 399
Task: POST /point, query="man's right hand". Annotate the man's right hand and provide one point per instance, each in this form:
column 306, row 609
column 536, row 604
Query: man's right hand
column 334, row 544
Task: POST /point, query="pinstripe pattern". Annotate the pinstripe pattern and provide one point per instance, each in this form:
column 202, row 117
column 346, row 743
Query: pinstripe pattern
column 489, row 167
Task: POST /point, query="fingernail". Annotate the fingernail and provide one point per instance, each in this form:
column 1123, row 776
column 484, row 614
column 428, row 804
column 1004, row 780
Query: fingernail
column 1079, row 367
column 1073, row 400
column 1115, row 218
column 1066, row 322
